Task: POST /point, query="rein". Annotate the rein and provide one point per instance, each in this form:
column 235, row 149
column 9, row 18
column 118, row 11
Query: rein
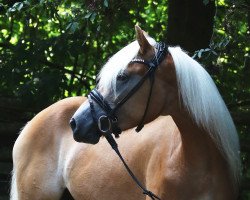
column 114, row 146
column 108, row 123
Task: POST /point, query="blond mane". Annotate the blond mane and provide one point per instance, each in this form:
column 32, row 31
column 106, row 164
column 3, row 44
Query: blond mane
column 202, row 99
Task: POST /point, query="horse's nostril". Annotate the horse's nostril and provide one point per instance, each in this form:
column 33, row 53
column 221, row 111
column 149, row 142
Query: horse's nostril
column 72, row 124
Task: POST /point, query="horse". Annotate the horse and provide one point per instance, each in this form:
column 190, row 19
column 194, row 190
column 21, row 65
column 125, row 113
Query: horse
column 188, row 148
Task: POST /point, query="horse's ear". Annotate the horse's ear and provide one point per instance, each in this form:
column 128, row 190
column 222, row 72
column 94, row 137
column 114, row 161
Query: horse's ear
column 143, row 42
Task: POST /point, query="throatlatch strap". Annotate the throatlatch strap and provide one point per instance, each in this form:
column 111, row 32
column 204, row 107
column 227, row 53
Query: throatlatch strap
column 114, row 146
column 141, row 124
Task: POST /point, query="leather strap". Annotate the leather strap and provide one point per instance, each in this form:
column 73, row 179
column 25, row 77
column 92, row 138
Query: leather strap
column 114, row 146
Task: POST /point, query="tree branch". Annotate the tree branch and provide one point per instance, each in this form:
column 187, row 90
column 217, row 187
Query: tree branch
column 82, row 78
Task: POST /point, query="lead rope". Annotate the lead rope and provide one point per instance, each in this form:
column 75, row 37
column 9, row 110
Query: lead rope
column 114, row 146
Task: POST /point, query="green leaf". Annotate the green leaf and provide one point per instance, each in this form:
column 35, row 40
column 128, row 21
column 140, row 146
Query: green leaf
column 92, row 18
column 207, row 49
column 98, row 28
column 68, row 27
column 214, row 52
column 72, row 27
column 42, row 1
column 205, row 2
column 26, row 3
column 20, row 6
column 106, row 3
column 88, row 15
column 16, row 7
column 199, row 53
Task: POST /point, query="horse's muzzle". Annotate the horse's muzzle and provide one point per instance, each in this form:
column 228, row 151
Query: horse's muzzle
column 83, row 127
column 89, row 136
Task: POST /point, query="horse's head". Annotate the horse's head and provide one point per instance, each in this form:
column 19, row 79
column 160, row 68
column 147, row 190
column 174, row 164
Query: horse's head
column 134, row 88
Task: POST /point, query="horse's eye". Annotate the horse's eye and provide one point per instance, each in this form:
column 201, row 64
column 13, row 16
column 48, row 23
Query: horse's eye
column 122, row 77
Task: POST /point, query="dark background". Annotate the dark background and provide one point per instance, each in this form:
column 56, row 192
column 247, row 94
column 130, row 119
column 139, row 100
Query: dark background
column 51, row 49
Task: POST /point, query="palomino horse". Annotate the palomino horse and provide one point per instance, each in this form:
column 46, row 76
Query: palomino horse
column 188, row 148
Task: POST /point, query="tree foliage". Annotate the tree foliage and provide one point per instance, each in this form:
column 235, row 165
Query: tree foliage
column 51, row 49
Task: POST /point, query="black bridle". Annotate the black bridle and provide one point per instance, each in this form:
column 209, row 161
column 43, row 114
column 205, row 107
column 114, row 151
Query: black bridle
column 108, row 123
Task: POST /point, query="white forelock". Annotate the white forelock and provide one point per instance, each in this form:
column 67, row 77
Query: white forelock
column 116, row 64
column 201, row 98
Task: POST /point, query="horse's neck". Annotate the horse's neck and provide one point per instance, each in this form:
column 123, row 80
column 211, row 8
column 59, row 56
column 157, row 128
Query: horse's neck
column 199, row 150
column 196, row 142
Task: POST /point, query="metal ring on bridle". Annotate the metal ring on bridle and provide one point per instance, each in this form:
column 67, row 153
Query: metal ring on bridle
column 104, row 124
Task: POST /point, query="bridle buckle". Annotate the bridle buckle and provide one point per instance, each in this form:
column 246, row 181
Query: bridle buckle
column 104, row 124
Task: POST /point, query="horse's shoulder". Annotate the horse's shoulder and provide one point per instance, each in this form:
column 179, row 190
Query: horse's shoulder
column 55, row 116
column 61, row 109
column 67, row 104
